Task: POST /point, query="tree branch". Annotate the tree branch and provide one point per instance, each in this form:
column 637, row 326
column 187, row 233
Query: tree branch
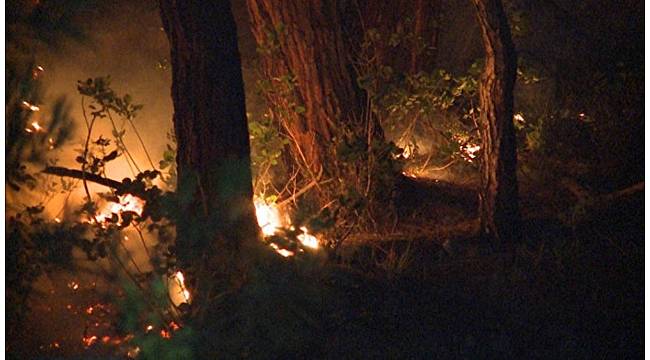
column 78, row 174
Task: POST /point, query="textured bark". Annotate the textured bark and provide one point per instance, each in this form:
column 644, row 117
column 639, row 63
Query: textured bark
column 214, row 175
column 499, row 208
column 312, row 48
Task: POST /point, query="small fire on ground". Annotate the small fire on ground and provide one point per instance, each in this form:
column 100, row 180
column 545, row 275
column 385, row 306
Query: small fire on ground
column 270, row 220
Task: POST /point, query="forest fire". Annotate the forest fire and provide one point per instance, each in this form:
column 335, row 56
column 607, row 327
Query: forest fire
column 362, row 133
column 269, row 219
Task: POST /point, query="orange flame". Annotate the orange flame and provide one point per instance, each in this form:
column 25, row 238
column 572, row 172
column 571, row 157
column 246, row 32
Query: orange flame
column 307, row 239
column 128, row 203
column 268, row 217
column 89, row 340
column 177, row 289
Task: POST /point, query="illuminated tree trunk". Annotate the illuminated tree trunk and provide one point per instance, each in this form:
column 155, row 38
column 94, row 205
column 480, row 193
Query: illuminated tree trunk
column 217, row 216
column 312, row 85
column 499, row 208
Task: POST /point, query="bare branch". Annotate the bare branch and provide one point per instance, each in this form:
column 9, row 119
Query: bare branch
column 78, row 174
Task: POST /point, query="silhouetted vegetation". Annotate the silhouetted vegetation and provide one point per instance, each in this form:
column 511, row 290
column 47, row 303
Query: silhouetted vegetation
column 358, row 135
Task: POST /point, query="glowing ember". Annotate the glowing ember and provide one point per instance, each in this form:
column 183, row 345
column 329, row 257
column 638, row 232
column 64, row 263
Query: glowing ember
column 268, row 217
column 73, row 285
column 89, row 340
column 29, row 106
column 35, row 127
column 57, row 220
column 165, row 334
column 37, row 72
column 283, row 252
column 519, row 117
column 470, row 151
column 406, row 153
column 409, row 174
column 149, row 328
column 307, row 239
column 133, row 352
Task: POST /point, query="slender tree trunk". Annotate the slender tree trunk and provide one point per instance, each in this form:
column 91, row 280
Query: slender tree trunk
column 499, row 207
column 425, row 31
column 303, row 41
column 216, row 216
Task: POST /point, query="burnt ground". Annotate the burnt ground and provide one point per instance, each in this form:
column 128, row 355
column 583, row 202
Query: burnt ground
column 573, row 289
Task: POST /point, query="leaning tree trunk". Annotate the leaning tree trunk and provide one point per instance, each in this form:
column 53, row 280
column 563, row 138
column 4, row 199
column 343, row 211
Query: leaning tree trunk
column 499, row 208
column 216, row 216
column 311, row 82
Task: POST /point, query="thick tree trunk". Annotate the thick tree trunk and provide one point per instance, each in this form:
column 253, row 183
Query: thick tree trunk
column 304, row 41
column 217, row 216
column 499, row 207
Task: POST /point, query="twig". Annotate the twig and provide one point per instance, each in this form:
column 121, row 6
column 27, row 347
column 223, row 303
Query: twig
column 444, row 166
column 137, row 134
column 121, row 141
column 83, row 165
column 304, row 189
column 144, row 244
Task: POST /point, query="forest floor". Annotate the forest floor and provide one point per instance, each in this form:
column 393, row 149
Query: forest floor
column 571, row 290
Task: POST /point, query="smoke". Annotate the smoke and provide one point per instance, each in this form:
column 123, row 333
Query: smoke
column 123, row 40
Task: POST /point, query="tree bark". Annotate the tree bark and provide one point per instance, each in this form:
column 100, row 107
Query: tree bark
column 499, row 207
column 216, row 213
column 418, row 21
column 304, row 40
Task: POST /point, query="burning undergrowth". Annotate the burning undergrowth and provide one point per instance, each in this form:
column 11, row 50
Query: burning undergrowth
column 125, row 235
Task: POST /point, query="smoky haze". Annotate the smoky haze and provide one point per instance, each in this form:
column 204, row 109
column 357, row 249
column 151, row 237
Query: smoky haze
column 126, row 41
column 123, row 40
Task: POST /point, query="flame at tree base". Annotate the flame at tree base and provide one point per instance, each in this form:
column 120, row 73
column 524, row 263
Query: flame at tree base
column 270, row 221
